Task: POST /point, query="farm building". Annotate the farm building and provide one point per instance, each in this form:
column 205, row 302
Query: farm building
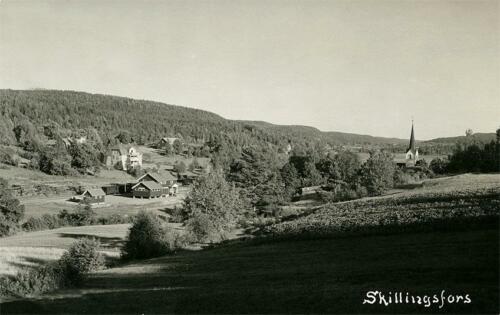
column 123, row 157
column 169, row 140
column 311, row 192
column 167, row 182
column 187, row 177
column 165, row 179
column 148, row 189
column 93, row 196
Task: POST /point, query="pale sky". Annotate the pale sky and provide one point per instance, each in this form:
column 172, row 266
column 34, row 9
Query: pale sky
column 354, row 66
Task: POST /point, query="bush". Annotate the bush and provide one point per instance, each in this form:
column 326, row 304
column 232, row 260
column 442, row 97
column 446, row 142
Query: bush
column 377, row 174
column 81, row 258
column 32, row 282
column 148, row 237
column 46, row 222
column 11, row 210
column 202, row 229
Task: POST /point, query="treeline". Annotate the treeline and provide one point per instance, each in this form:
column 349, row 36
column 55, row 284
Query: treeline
column 470, row 155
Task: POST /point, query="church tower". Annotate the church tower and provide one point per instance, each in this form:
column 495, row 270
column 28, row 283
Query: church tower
column 412, row 151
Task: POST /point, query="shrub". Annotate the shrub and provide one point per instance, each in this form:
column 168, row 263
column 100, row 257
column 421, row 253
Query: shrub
column 148, row 237
column 202, row 229
column 82, row 257
column 32, row 282
column 11, row 210
column 115, row 219
column 377, row 174
column 46, row 222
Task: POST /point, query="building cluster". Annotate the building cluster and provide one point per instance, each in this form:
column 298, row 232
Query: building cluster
column 148, row 186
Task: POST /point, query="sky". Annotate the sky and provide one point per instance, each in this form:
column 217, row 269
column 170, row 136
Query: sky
column 366, row 66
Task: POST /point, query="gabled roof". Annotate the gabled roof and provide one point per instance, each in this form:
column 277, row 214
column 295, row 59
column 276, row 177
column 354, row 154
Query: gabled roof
column 95, row 192
column 159, row 178
column 188, row 174
column 170, row 140
column 120, row 148
column 150, row 185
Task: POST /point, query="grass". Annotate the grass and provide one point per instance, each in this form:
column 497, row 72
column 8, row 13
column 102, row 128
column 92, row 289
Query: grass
column 26, row 250
column 310, row 276
column 36, row 207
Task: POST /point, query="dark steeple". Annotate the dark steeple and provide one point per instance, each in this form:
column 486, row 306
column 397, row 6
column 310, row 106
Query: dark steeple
column 412, row 139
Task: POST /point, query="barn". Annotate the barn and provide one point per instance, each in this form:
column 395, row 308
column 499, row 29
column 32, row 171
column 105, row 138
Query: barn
column 148, row 189
column 93, row 196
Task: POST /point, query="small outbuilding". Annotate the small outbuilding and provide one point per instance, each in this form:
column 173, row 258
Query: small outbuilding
column 93, row 196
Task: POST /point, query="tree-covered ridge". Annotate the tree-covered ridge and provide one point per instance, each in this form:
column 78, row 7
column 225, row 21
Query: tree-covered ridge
column 148, row 121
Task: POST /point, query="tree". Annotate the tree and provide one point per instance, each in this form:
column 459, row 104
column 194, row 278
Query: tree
column 194, row 165
column 84, row 157
column 11, row 210
column 180, row 167
column 253, row 173
column 212, row 207
column 146, row 237
column 177, row 146
column 169, row 150
column 55, row 160
column 438, row 165
column 291, row 179
column 377, row 174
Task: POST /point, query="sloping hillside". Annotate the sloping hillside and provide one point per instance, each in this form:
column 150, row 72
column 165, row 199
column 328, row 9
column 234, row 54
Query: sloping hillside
column 480, row 137
column 147, row 121
column 329, row 136
column 329, row 276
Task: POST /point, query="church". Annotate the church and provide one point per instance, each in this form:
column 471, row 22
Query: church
column 412, row 151
column 410, row 157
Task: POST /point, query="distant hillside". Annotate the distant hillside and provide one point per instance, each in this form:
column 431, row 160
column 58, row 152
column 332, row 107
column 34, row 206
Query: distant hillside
column 329, row 136
column 481, row 137
column 147, row 121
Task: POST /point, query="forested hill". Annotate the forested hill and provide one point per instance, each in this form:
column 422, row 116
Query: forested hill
column 330, row 136
column 480, row 137
column 147, row 121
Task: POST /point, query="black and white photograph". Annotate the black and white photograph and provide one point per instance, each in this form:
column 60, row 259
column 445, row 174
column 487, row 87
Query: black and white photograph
column 249, row 157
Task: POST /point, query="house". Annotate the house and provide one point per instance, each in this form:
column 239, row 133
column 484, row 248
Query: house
column 117, row 157
column 167, row 182
column 187, row 177
column 93, row 196
column 165, row 140
column 148, row 189
column 134, row 158
column 123, row 157
column 311, row 192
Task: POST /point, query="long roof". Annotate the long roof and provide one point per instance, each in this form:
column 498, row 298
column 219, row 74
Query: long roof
column 159, row 178
column 150, row 185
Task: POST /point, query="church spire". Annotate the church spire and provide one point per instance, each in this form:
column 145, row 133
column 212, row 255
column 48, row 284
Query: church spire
column 412, row 139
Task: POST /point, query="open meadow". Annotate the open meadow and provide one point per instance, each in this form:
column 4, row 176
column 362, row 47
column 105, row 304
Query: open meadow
column 309, row 276
column 299, row 272
column 30, row 249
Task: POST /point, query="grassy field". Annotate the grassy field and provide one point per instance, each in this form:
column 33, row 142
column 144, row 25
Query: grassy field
column 301, row 275
column 35, row 248
column 36, row 207
column 437, row 201
column 314, row 276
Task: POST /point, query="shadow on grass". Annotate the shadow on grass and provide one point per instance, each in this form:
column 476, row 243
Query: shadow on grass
column 299, row 276
column 106, row 242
